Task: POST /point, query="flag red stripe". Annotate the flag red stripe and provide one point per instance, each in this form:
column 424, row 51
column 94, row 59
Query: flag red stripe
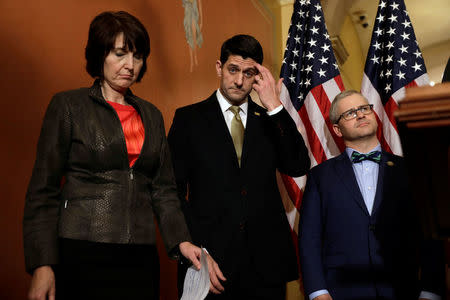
column 390, row 107
column 339, row 82
column 293, row 190
column 411, row 84
column 324, row 105
column 380, row 135
column 314, row 142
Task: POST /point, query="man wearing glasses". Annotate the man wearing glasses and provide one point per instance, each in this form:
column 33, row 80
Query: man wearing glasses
column 358, row 231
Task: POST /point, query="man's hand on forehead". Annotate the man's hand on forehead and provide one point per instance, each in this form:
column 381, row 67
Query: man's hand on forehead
column 268, row 90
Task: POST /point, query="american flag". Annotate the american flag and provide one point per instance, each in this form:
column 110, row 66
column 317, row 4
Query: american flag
column 394, row 62
column 311, row 81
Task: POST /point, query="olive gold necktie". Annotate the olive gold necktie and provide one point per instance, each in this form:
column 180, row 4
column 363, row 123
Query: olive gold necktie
column 237, row 132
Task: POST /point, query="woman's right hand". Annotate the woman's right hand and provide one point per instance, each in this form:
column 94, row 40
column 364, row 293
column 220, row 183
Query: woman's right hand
column 42, row 284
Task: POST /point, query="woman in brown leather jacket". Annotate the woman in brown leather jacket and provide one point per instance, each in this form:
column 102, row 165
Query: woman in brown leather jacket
column 102, row 173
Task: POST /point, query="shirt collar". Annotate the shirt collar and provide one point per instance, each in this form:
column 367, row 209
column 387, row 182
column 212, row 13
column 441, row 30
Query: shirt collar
column 349, row 150
column 225, row 105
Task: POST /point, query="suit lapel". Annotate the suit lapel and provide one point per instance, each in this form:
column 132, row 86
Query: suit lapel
column 347, row 176
column 384, row 172
column 213, row 113
column 251, row 132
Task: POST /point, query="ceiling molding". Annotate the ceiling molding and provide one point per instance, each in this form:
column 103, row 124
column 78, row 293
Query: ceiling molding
column 335, row 12
column 285, row 2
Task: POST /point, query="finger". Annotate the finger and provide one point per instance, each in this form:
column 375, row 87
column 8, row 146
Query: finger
column 195, row 261
column 266, row 74
column 262, row 72
column 52, row 292
column 213, row 290
column 215, row 282
column 219, row 272
column 213, row 276
column 261, row 69
column 279, row 85
column 38, row 295
column 257, row 87
column 258, row 78
column 198, row 252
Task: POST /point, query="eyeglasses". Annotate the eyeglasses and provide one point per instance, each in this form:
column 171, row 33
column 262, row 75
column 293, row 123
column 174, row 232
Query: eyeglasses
column 353, row 113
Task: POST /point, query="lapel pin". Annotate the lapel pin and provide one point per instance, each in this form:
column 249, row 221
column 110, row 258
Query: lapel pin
column 390, row 163
column 257, row 113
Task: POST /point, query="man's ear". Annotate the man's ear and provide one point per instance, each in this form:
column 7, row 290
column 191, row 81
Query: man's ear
column 337, row 130
column 219, row 68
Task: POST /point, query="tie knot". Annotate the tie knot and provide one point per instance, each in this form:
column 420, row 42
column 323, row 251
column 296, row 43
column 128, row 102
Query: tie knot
column 374, row 156
column 235, row 109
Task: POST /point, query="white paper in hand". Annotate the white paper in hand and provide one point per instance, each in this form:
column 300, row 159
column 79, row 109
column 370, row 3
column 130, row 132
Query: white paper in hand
column 196, row 282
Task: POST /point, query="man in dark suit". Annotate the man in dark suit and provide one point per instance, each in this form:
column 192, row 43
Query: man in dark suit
column 226, row 150
column 358, row 232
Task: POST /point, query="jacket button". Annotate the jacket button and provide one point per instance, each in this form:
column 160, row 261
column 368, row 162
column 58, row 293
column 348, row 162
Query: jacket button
column 280, row 129
column 242, row 226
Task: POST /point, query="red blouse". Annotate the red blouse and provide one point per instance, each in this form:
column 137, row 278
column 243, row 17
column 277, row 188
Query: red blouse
column 133, row 129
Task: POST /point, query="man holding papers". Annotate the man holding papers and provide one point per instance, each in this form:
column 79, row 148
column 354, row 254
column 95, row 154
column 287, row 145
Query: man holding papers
column 226, row 150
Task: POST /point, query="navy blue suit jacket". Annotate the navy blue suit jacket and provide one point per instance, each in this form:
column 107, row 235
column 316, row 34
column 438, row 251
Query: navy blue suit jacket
column 344, row 249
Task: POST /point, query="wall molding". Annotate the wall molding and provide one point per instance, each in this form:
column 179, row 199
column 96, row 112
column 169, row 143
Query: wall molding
column 263, row 10
column 339, row 49
column 285, row 2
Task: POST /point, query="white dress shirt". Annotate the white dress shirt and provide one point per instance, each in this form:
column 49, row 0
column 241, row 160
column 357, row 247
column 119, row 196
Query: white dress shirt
column 366, row 173
column 228, row 114
column 243, row 112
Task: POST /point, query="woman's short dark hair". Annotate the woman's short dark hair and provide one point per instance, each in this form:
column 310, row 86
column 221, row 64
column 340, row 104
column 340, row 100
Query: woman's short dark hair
column 242, row 45
column 103, row 31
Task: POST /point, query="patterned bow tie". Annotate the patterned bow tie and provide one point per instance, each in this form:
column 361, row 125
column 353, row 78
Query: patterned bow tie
column 374, row 156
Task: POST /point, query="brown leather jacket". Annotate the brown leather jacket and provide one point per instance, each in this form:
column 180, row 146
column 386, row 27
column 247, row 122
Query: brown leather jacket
column 83, row 188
